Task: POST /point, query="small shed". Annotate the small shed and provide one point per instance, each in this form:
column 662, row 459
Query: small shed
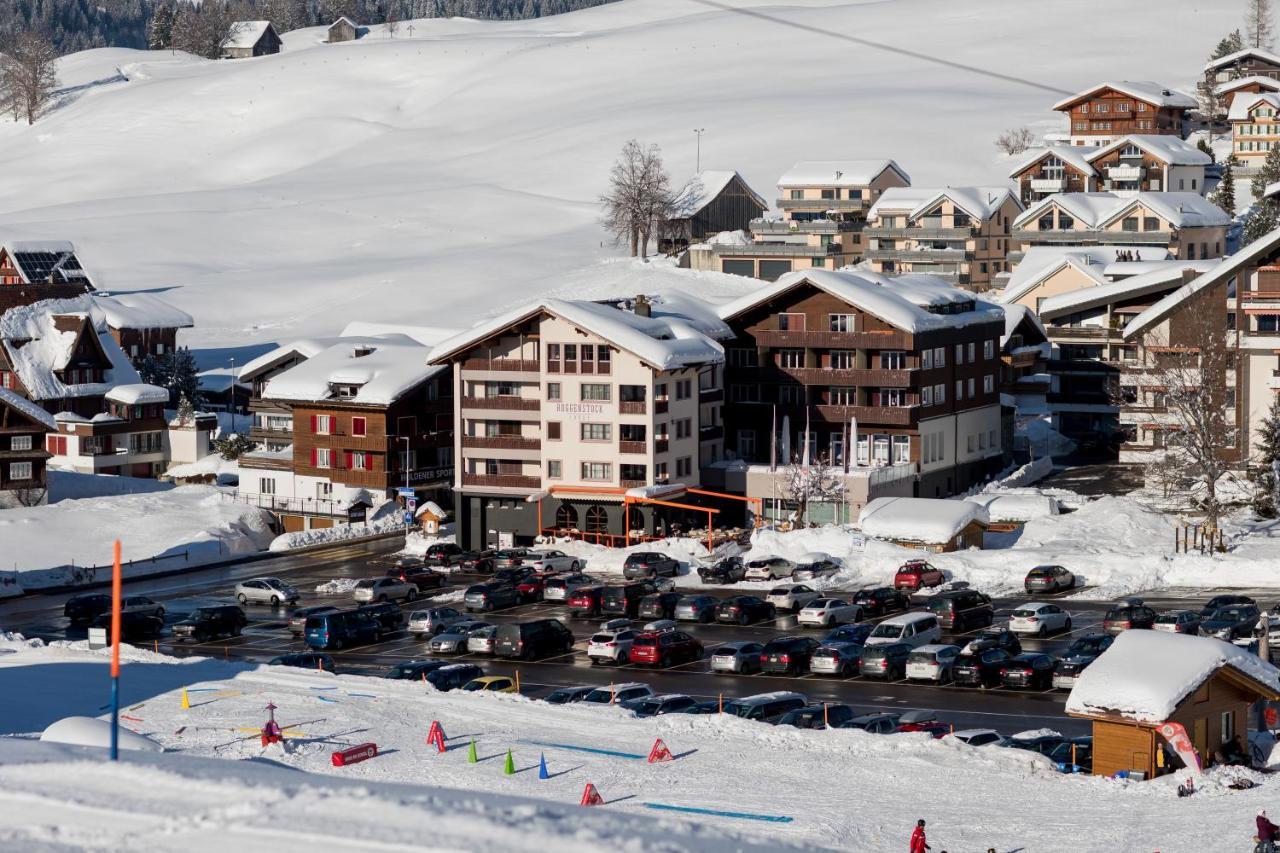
column 926, row 523
column 430, row 516
column 345, row 29
column 1007, row 513
column 1154, row 697
column 713, row 201
column 250, row 38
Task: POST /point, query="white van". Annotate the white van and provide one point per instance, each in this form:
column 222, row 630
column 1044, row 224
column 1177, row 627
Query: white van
column 915, row 629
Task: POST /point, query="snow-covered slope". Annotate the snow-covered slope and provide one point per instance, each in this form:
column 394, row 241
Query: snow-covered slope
column 454, row 172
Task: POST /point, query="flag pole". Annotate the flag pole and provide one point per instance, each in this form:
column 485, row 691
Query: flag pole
column 115, row 652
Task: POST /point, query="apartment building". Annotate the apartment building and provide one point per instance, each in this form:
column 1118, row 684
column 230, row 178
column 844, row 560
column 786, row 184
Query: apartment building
column 129, row 438
column 568, row 412
column 22, row 455
column 891, row 381
column 1255, row 127
column 961, row 234
column 1101, row 114
column 1055, row 169
column 1128, row 166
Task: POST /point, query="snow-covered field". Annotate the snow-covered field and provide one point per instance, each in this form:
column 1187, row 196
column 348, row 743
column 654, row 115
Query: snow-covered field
column 843, row 790
column 456, row 171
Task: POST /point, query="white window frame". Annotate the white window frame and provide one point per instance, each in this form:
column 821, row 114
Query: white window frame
column 324, row 456
column 988, row 384
column 20, row 442
column 20, row 471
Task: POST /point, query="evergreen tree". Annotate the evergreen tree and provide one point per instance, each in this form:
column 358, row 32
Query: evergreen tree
column 154, row 371
column 1261, row 222
column 1268, row 454
column 186, row 411
column 184, row 380
column 1208, row 149
column 160, row 30
column 1231, row 43
column 1225, row 195
column 1267, row 175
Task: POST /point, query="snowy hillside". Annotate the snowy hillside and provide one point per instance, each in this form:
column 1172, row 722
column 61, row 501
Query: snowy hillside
column 455, row 171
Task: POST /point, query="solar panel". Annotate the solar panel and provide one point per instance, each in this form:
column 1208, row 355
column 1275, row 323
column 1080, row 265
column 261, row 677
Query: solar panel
column 40, row 267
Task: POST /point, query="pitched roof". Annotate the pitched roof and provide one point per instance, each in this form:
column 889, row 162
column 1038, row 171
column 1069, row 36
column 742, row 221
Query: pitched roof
column 1231, row 58
column 1040, row 262
column 1161, row 276
column 38, row 344
column 303, row 348
column 27, row 408
column 1166, row 148
column 927, row 520
column 1096, row 210
column 837, row 173
column 978, row 202
column 342, row 18
column 382, row 369
column 44, row 261
column 1076, row 156
column 704, row 187
column 245, row 34
column 1243, row 103
column 141, row 311
column 1241, row 82
column 1148, row 91
column 1015, row 316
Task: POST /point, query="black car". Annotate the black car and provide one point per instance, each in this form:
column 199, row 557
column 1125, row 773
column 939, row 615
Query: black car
column 414, row 670
column 133, row 626
column 490, row 596
column 479, row 562
column 388, row 616
column 649, row 564
column 857, row 633
column 624, row 599
column 1220, row 601
column 979, row 669
column 568, row 695
column 655, row 706
column 442, row 554
column 996, row 638
column 509, row 558
column 1082, row 652
column 421, row 577
column 1029, row 669
column 728, row 570
column 659, row 605
column 298, row 618
column 788, row 655
column 1231, row 623
column 454, row 675
column 818, row 716
column 537, row 638
column 745, row 609
column 885, row 660
column 962, row 610
column 515, row 575
column 880, row 600
column 206, row 623
column 86, row 607
column 304, row 660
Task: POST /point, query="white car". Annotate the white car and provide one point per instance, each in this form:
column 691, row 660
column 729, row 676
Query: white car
column 611, row 646
column 825, row 612
column 271, row 591
column 550, row 560
column 384, row 589
column 933, row 662
column 792, row 597
column 560, row 588
column 977, row 737
column 769, row 569
column 1040, row 619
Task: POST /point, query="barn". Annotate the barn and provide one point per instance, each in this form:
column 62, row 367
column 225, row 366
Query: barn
column 712, row 201
column 250, row 38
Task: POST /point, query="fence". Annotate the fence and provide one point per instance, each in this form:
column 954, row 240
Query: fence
column 1198, row 537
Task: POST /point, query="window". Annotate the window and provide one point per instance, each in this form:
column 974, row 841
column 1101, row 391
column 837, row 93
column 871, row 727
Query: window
column 570, row 358
column 159, row 349
column 893, row 360
column 741, row 357
column 790, row 358
column 843, row 359
column 939, row 394
column 1150, row 223
column 553, row 430
column 597, row 391
column 842, row 396
column 926, row 359
column 553, row 390
column 684, row 427
column 971, row 384
column 684, row 466
column 553, row 358
column 597, row 471
column 266, row 485
column 982, row 441
column 959, row 354
column 358, row 461
column 684, row 389
column 746, row 444
column 973, row 352
column 797, row 195
column 991, row 440
column 901, row 449
column 20, row 471
column 988, row 384
column 744, row 393
column 940, row 357
column 604, row 360
column 959, row 390
column 791, row 395
column 926, row 396
column 322, row 457
column 1130, row 223
column 1227, row 725
column 597, row 432
column 893, row 397
column 322, row 424
column 359, row 426
column 554, row 469
column 20, row 442
column 988, row 349
column 661, row 473
column 791, row 322
column 844, row 322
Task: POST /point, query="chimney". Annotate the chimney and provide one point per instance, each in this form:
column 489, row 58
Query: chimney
column 643, row 308
column 362, row 351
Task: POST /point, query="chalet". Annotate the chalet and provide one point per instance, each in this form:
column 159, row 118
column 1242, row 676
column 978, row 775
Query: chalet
column 925, row 523
column 142, row 324
column 1164, row 702
column 31, row 271
column 713, row 201
column 345, row 29
column 1129, row 165
column 1243, row 64
column 22, row 455
column 961, row 234
column 1101, row 114
column 272, row 425
column 1227, row 92
column 1055, row 169
column 128, row 438
column 250, row 38
column 1255, row 128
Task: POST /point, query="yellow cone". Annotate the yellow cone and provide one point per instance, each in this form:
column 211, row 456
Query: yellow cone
column 186, row 702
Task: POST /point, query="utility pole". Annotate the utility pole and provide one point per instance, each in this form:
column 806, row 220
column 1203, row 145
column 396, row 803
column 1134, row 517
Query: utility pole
column 698, row 131
column 233, row 393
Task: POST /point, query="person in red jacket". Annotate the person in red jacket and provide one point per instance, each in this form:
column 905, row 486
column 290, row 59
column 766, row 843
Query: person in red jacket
column 1268, row 832
column 918, row 842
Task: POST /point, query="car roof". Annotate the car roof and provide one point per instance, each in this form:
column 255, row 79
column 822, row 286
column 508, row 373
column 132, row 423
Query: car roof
column 616, row 687
column 770, row 697
column 738, row 644
column 909, row 616
column 666, row 696
column 1032, row 605
column 936, row 647
column 964, row 733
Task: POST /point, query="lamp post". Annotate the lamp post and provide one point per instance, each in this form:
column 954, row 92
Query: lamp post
column 233, row 393
column 698, row 131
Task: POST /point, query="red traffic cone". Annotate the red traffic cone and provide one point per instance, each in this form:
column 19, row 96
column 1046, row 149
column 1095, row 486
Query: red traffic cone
column 591, row 797
column 435, row 736
column 660, row 752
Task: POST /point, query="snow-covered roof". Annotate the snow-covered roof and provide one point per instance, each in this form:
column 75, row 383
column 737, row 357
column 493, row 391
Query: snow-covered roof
column 902, row 302
column 1160, row 276
column 301, row 348
column 381, row 370
column 141, row 311
column 36, row 348
column 1040, row 262
column 1016, row 508
column 41, row 261
column 1266, row 83
column 978, row 202
column 428, row 336
column 837, row 173
column 1145, row 675
column 245, row 34
column 137, row 394
column 668, row 340
column 1014, row 315
column 1076, row 156
column 431, row 507
column 219, row 379
column 704, row 187
column 1242, row 104
column 1097, row 210
column 342, row 18
column 1166, row 148
column 1232, row 58
column 1148, row 91
column 26, row 407
column 929, row 521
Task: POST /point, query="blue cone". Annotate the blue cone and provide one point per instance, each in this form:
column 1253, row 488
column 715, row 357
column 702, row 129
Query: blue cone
column 542, row 766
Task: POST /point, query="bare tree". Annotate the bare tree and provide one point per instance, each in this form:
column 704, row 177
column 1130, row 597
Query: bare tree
column 639, row 196
column 28, row 75
column 819, row 481
column 30, row 497
column 1258, row 27
column 1016, row 140
column 392, row 18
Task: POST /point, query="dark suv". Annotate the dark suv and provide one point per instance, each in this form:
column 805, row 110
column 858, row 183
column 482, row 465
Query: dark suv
column 745, row 609
column 624, row 599
column 535, row 639
column 879, row 601
column 206, row 623
column 442, row 554
column 962, row 610
column 980, row 668
column 649, row 564
column 788, row 655
column 1128, row 616
column 133, row 626
column 454, row 675
column 387, row 614
column 659, row 605
column 1231, row 623
column 728, row 570
column 86, row 607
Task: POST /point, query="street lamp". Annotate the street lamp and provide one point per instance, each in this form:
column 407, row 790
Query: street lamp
column 699, row 131
column 233, row 393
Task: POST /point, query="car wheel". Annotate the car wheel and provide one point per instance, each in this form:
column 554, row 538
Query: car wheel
column 382, row 599
column 1066, row 626
column 742, row 619
column 242, row 598
column 1043, row 632
column 275, row 601
column 574, row 566
column 410, row 595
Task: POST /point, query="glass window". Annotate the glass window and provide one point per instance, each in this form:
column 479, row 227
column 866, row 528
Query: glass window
column 926, row 359
column 959, row 354
column 843, row 322
column 988, row 384
column 553, row 358
column 20, row 442
column 554, row 469
column 790, row 358
column 553, row 430
column 959, row 390
column 597, row 391
column 597, row 471
column 684, row 389
column 553, row 390
column 901, row 449
column 597, row 432
column 20, row 471
column 738, row 267
column 940, row 357
column 926, row 396
column 893, row 360
column 843, row 359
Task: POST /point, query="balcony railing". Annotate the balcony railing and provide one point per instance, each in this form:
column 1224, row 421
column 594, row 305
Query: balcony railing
column 821, row 204
column 710, row 433
column 501, row 442
column 1093, row 235
column 887, row 415
column 521, row 404
column 1048, row 185
column 501, row 481
column 797, row 226
column 1083, row 332
column 1125, row 173
column 710, row 395
column 632, row 447
column 833, row 340
column 831, row 376
column 922, row 254
column 790, row 250
column 922, row 233
column 634, row 484
column 523, row 365
column 631, row 407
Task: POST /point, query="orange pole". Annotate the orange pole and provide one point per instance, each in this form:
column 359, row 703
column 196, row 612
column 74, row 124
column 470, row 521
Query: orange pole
column 710, row 545
column 626, row 522
column 539, row 516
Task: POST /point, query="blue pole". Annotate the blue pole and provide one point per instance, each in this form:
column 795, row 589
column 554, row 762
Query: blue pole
column 115, row 717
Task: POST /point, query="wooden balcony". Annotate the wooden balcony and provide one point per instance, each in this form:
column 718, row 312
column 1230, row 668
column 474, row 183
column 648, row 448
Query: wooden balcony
column 871, row 377
column 907, row 416
column 501, row 481
column 710, row 395
column 632, row 407
column 633, row 447
column 519, row 404
column 634, row 484
column 521, row 365
column 501, row 442
column 834, row 340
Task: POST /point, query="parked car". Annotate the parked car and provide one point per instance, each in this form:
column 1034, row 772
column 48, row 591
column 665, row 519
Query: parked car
column 769, row 569
column 1082, row 652
column 916, row 629
column 509, row 558
column 787, row 655
column 562, row 587
column 933, row 662
column 766, row 707
column 142, row 604
column 745, row 609
column 825, row 612
column 962, row 610
column 442, row 554
column 1044, row 579
column 1231, row 623
column 387, row 615
column 817, row 716
column 531, row 587
column 668, row 648
column 658, row 605
column 1036, row 617
column 616, row 694
column 298, row 618
column 667, row 703
column 1178, row 622
column 979, row 668
column 207, row 623
column 917, row 574
column 643, row 565
column 454, row 675
column 304, row 660
column 885, row 660
column 839, row 659
column 611, row 646
column 433, row 620
column 513, row 576
column 697, row 608
column 1126, row 616
column 480, row 562
column 996, row 638
column 86, row 607
column 624, row 599
column 414, row 670
column 1029, row 669
column 568, row 695
column 923, row 721
column 453, row 640
column 815, row 565
column 133, row 626
column 271, row 591
column 490, row 596
column 792, row 597
column 384, row 589
column 661, row 626
column 491, row 684
column 710, row 706
column 883, row 723
column 585, row 601
column 342, row 629
column 421, row 577
column 880, row 601
column 536, row 638
column 1073, row 755
column 977, row 737
column 551, row 560
column 1220, row 601
column 742, row 657
column 850, row 634
column 482, row 641
column 728, row 570
column 1033, row 742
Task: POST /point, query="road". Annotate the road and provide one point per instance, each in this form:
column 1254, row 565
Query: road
column 267, row 636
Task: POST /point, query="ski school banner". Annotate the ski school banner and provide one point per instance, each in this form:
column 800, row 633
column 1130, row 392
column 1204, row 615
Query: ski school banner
column 1176, row 735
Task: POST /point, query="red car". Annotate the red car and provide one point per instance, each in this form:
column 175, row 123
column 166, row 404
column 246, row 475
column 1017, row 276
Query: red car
column 915, row 574
column 531, row 587
column 586, row 601
column 923, row 721
column 665, row 649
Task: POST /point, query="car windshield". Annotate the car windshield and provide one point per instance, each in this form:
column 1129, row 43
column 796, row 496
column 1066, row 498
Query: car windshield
column 1168, row 618
column 646, row 641
column 921, row 657
column 1023, row 613
column 1090, row 645
column 1227, row 614
column 886, row 629
column 365, row 584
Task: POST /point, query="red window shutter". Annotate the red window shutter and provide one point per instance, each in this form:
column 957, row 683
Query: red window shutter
column 314, row 454
column 349, row 461
column 313, row 427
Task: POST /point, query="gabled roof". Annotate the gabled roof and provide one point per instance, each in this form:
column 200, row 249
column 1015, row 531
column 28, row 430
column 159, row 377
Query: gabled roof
column 46, row 261
column 978, row 202
column 1036, row 266
column 1143, row 90
column 926, row 520
column 1241, row 104
column 838, row 173
column 342, row 18
column 1096, row 210
column 1075, row 156
column 1241, row 82
column 1015, row 316
column 27, row 408
column 382, row 369
column 141, row 311
column 245, row 34
column 1162, row 276
column 704, row 187
column 302, row 348
column 1167, row 149
column 38, row 340
column 1232, row 58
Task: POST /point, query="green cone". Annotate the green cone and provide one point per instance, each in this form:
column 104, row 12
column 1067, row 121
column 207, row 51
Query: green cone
column 510, row 768
column 471, row 754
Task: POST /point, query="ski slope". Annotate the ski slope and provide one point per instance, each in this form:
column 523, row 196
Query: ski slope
column 448, row 173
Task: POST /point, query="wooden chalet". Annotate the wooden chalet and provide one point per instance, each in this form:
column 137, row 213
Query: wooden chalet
column 22, row 455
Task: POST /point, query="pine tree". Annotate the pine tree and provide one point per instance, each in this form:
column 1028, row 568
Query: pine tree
column 186, row 411
column 160, row 30
column 1208, row 149
column 1267, row 175
column 154, row 371
column 1261, row 222
column 184, row 380
column 1231, row 43
column 1268, row 454
column 1225, row 195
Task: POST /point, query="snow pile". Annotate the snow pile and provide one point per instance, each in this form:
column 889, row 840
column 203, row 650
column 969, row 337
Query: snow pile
column 338, row 586
column 90, row 731
column 1015, row 508
column 1145, row 675
column 385, row 520
column 380, row 370
column 925, row 520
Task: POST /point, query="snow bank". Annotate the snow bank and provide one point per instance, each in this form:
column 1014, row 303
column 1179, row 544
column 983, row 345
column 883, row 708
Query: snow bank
column 1015, row 508
column 925, row 520
column 90, row 731
column 381, row 522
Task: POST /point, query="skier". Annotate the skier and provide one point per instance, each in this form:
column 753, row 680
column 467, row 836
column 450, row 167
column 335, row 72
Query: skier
column 1267, row 832
column 918, row 842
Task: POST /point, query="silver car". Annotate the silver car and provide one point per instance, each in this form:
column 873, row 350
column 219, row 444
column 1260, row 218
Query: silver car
column 453, row 640
column 384, row 589
column 740, row 657
column 423, row 623
column 842, row 659
column 697, row 608
column 271, row 591
column 481, row 640
column 562, row 587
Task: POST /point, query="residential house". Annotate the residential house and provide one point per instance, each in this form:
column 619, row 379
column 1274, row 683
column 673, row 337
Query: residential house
column 1127, row 166
column 1243, row 64
column 250, row 38
column 142, row 324
column 345, row 29
column 1025, row 353
column 890, row 381
column 1255, row 128
column 925, row 524
column 1227, row 92
column 1045, row 271
column 272, row 420
column 22, row 455
column 959, row 233
column 712, row 202
column 572, row 416
column 1101, row 114
column 128, row 438
column 1055, row 169
column 31, row 271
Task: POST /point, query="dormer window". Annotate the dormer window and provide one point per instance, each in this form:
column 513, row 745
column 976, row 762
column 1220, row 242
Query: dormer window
column 345, row 392
column 362, row 351
column 1130, row 151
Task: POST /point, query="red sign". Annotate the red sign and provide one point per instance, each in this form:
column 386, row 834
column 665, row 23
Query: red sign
column 354, row 755
column 1271, row 717
column 660, row 752
column 1176, row 735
